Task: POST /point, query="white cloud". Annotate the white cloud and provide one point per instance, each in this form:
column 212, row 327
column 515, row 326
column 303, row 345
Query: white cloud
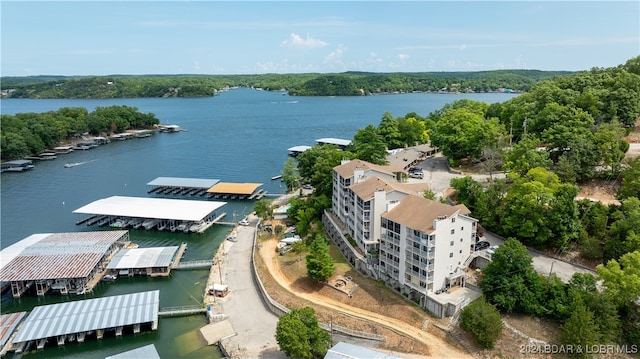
column 336, row 55
column 463, row 47
column 403, row 57
column 196, row 66
column 298, row 41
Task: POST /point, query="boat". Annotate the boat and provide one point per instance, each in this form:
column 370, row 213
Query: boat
column 276, row 177
column 72, row 164
column 109, row 278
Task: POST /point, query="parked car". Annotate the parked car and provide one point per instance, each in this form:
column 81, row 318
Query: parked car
column 244, row 222
column 481, row 245
column 232, row 239
column 492, row 249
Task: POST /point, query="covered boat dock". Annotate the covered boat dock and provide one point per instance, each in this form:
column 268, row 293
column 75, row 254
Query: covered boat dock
column 297, row 150
column 8, row 324
column 342, row 144
column 70, row 263
column 152, row 262
column 228, row 190
column 76, row 320
column 181, row 186
column 149, row 213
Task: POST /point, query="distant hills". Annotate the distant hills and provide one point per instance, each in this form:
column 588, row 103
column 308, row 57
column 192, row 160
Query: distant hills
column 312, row 84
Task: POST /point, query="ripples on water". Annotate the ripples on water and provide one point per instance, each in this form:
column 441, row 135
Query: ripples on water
column 239, row 136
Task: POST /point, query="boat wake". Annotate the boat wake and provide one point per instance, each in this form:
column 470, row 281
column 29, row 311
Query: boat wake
column 74, row 164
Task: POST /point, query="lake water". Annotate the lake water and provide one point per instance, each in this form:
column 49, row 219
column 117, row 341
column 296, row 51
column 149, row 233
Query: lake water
column 237, row 136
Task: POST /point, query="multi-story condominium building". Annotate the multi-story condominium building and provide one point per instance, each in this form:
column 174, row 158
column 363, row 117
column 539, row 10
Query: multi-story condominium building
column 424, row 245
column 417, row 246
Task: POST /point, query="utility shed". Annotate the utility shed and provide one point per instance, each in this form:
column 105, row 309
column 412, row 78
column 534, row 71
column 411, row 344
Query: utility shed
column 145, row 352
column 76, row 320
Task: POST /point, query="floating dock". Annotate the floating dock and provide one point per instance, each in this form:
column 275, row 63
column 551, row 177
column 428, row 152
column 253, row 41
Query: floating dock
column 152, row 213
column 205, row 188
column 151, row 262
column 69, row 263
column 77, row 320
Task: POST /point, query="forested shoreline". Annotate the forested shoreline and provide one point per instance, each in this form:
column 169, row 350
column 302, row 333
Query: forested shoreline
column 341, row 84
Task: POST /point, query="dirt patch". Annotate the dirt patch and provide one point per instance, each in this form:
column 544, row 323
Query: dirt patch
column 372, row 307
column 600, row 190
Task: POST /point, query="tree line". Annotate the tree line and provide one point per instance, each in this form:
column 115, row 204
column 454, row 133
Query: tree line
column 340, row 84
column 25, row 134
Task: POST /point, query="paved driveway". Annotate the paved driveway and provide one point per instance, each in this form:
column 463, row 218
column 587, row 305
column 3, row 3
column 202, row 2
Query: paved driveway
column 254, row 324
column 544, row 264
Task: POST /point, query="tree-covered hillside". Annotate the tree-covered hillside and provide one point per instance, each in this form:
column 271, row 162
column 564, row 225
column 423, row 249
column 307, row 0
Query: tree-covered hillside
column 343, row 84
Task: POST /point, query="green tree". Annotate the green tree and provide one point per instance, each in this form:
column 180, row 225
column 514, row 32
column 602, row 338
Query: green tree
column 263, row 208
column 319, row 263
column 299, row 335
column 580, row 329
column 525, row 155
column 389, row 130
column 540, row 210
column 624, row 234
column 630, row 186
column 316, row 165
column 483, row 321
column 369, row 145
column 510, row 282
column 622, row 279
column 290, row 175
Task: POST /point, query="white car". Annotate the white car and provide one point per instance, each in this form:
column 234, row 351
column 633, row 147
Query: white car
column 244, row 222
column 232, row 239
column 492, row 250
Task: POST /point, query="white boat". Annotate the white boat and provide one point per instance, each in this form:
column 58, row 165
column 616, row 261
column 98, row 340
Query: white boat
column 109, row 278
column 72, row 164
column 150, row 223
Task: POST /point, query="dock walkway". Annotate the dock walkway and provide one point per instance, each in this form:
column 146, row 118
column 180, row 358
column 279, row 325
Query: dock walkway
column 181, row 310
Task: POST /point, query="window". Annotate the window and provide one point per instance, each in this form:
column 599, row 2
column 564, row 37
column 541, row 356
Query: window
column 462, row 228
column 460, row 252
column 451, row 255
column 453, row 231
column 453, row 219
column 451, row 243
column 460, row 239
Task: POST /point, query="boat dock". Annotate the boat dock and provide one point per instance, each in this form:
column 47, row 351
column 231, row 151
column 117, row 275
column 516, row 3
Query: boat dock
column 89, row 318
column 43, row 261
column 205, row 188
column 152, row 213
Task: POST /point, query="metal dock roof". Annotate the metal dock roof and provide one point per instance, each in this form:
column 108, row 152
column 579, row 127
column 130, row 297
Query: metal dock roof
column 8, row 324
column 158, row 208
column 184, row 182
column 334, row 141
column 91, row 314
column 58, row 255
column 143, row 258
column 234, row 188
column 145, row 352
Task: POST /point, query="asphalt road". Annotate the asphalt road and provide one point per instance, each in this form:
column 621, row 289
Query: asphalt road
column 253, row 322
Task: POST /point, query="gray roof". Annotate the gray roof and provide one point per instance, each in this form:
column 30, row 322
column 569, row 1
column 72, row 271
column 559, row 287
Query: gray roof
column 143, row 258
column 184, row 182
column 334, row 141
column 344, row 350
column 91, row 314
column 145, row 352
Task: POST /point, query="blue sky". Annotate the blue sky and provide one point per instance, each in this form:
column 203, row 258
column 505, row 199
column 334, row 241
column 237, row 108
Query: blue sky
column 244, row 37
